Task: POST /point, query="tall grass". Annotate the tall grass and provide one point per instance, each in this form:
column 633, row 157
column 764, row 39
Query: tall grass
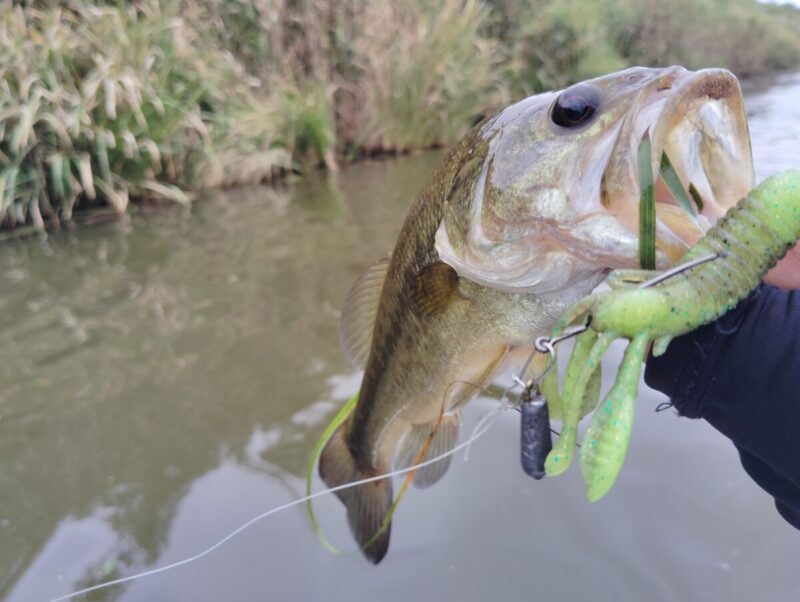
column 553, row 43
column 394, row 74
column 104, row 102
column 428, row 72
column 741, row 35
column 101, row 103
column 558, row 42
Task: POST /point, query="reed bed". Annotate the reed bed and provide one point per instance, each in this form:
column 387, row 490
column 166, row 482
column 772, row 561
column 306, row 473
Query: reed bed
column 105, row 102
column 99, row 104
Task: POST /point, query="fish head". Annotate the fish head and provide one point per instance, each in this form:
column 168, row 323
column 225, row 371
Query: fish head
column 553, row 194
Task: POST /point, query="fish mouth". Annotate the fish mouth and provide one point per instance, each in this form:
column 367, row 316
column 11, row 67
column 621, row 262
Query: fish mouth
column 698, row 122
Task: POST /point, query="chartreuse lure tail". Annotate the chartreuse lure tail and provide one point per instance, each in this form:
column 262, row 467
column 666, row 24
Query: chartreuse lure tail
column 746, row 243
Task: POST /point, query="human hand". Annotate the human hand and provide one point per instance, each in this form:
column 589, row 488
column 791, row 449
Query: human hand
column 787, row 273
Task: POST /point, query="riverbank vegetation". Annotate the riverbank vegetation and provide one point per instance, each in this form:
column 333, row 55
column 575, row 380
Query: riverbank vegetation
column 103, row 102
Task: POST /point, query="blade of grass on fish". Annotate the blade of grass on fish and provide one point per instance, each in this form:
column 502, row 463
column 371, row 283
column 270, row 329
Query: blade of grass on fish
column 696, row 196
column 673, row 182
column 647, row 206
column 337, row 421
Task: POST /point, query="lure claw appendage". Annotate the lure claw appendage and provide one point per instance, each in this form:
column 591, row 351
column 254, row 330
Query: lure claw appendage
column 711, row 278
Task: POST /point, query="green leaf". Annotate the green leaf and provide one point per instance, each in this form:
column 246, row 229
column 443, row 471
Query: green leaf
column 696, row 196
column 66, row 171
column 337, row 421
column 23, row 130
column 57, row 175
column 84, row 164
column 647, row 206
column 101, row 148
column 11, row 175
column 673, row 182
column 168, row 191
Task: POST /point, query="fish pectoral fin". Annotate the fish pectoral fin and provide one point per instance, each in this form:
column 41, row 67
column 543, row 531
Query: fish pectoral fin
column 435, row 287
column 444, row 438
column 368, row 505
column 359, row 312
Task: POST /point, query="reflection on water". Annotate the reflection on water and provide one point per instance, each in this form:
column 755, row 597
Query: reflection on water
column 136, row 359
column 773, row 111
column 164, row 381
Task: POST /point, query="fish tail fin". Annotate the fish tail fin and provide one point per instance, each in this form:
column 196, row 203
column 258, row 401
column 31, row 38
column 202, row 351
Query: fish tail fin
column 368, row 505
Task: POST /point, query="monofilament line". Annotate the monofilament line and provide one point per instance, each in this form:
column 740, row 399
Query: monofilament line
column 483, row 426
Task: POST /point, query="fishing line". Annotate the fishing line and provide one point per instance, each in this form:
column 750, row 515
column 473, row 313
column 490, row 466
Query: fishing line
column 480, row 429
column 483, row 425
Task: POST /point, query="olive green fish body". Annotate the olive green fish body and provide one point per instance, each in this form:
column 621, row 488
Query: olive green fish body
column 437, row 340
column 525, row 215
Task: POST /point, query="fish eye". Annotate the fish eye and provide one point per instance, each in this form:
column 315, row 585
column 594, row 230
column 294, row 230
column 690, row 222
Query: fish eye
column 575, row 105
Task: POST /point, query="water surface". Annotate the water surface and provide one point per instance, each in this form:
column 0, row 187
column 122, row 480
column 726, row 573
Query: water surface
column 164, row 380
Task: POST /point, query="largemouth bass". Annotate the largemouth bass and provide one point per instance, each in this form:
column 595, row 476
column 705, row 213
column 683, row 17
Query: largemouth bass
column 525, row 215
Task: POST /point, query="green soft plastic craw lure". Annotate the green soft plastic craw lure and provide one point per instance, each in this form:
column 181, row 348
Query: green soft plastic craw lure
column 746, row 243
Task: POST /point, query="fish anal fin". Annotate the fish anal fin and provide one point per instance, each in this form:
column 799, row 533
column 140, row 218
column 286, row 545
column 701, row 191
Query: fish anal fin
column 367, row 505
column 435, row 287
column 359, row 311
column 443, row 440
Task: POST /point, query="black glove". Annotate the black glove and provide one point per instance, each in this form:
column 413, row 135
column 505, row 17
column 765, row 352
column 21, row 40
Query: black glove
column 742, row 374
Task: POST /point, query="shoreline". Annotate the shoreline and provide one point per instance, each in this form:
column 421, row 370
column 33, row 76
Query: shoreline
column 109, row 105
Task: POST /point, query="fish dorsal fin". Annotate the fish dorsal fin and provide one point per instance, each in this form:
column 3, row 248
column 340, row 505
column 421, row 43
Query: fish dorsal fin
column 359, row 312
column 435, row 287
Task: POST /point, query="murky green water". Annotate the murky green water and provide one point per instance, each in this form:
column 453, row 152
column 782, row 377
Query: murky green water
column 164, row 380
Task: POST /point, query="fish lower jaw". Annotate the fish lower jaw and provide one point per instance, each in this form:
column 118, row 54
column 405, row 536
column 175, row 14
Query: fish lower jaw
column 703, row 132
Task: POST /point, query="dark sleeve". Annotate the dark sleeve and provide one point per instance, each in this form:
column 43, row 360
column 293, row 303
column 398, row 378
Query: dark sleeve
column 742, row 374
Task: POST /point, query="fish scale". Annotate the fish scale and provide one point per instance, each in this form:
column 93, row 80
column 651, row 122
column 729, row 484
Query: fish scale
column 510, row 231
